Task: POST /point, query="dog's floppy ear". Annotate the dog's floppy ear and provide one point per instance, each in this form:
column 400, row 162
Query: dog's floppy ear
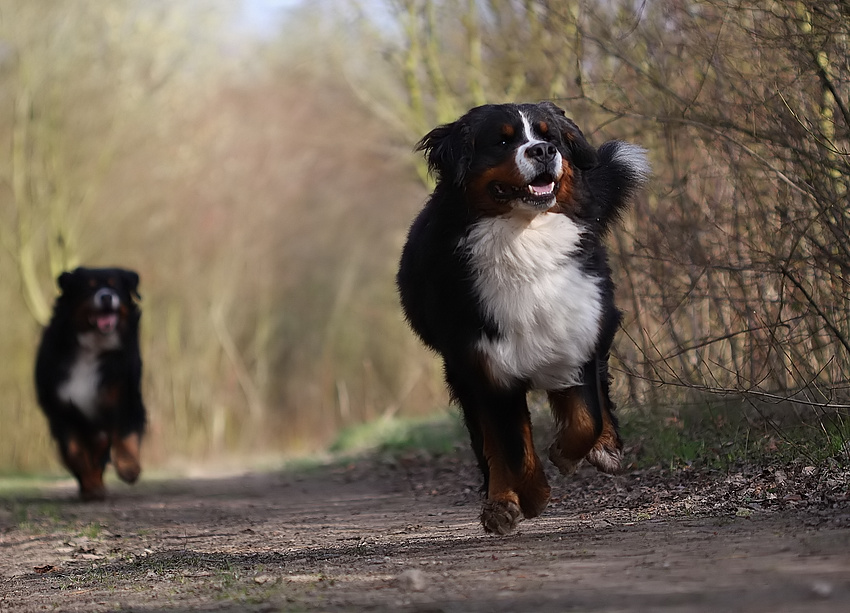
column 66, row 280
column 582, row 154
column 131, row 280
column 447, row 151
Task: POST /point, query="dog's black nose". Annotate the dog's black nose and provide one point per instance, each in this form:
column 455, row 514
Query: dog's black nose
column 541, row 152
column 106, row 299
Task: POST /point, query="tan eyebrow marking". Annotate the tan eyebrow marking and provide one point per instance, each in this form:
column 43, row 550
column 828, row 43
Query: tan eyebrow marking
column 543, row 127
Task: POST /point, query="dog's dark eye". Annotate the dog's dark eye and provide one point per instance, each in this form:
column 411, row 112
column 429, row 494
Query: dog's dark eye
column 505, row 134
column 495, row 142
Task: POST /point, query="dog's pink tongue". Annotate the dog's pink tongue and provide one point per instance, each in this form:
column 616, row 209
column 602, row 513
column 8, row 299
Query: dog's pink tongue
column 539, row 190
column 107, row 323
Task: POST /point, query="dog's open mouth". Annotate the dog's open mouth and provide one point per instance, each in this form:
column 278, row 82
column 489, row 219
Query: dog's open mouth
column 539, row 192
column 105, row 323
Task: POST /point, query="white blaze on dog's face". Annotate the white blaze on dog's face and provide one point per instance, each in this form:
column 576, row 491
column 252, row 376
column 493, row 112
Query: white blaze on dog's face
column 101, row 304
column 510, row 158
column 98, row 319
column 515, row 162
column 539, row 164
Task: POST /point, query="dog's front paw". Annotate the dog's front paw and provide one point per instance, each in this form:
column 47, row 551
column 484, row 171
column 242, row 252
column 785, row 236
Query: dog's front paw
column 500, row 516
column 92, row 493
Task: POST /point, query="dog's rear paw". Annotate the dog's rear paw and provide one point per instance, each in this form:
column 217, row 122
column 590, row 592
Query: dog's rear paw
column 605, row 459
column 128, row 471
column 565, row 465
column 500, row 517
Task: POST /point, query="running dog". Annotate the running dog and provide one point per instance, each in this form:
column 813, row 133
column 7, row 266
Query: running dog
column 88, row 376
column 505, row 275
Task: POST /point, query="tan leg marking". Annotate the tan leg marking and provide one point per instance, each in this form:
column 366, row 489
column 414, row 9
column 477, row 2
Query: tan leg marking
column 83, row 462
column 512, row 496
column 577, row 429
column 125, row 456
column 607, row 453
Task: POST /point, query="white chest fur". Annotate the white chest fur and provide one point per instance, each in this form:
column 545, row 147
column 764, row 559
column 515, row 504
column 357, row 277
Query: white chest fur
column 82, row 387
column 547, row 309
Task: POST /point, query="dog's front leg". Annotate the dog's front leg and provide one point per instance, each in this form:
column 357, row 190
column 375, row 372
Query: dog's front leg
column 517, row 487
column 85, row 457
column 125, row 455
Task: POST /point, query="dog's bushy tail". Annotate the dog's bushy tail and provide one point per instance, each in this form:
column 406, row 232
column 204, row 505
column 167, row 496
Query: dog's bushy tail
column 622, row 169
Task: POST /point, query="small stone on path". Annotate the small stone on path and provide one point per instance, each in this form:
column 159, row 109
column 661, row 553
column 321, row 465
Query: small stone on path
column 411, row 580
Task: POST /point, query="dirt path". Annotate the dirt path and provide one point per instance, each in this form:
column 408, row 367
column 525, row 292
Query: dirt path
column 403, row 535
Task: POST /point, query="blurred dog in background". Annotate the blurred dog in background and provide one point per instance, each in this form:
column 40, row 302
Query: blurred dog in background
column 88, row 376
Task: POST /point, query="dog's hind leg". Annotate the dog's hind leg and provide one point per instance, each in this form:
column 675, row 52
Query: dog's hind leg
column 587, row 427
column 579, row 427
column 607, row 452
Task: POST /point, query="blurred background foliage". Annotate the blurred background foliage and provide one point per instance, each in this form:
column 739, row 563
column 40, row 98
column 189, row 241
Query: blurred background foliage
column 252, row 160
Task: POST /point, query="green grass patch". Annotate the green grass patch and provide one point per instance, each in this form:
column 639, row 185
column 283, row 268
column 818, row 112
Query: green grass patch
column 699, row 435
column 436, row 434
column 818, row 441
column 46, row 517
column 41, row 517
column 723, row 435
column 92, row 530
column 28, row 484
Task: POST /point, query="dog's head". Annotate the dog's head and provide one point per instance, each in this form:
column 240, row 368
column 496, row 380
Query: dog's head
column 509, row 156
column 100, row 301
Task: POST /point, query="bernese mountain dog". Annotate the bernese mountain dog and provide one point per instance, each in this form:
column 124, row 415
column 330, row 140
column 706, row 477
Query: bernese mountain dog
column 505, row 275
column 88, row 376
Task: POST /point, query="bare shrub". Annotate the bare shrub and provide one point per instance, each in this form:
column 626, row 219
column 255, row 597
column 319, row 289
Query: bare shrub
column 733, row 272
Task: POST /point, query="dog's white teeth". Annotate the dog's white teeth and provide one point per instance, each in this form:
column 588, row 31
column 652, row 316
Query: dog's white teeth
column 541, row 190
